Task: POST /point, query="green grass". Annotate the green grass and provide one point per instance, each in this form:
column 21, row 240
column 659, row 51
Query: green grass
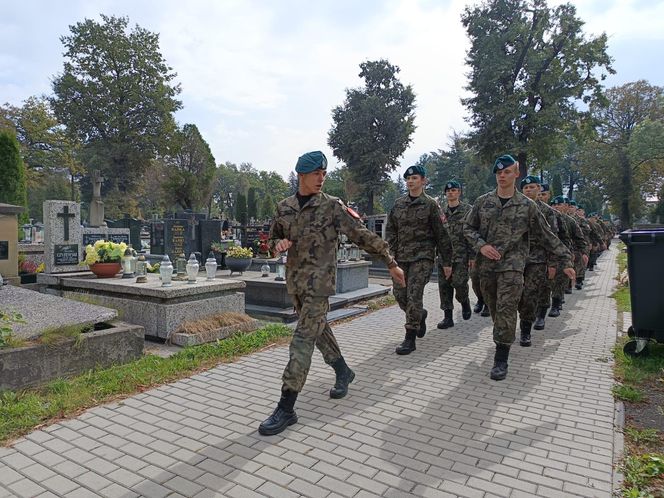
column 628, row 393
column 639, row 473
column 22, row 411
column 642, row 436
column 623, row 299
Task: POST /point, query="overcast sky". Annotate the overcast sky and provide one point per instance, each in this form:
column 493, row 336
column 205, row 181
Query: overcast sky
column 260, row 78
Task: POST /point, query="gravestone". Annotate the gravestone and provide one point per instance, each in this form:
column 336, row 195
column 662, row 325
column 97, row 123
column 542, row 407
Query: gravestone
column 96, row 204
column 63, row 236
column 157, row 245
column 210, row 231
column 119, row 235
column 92, row 235
column 134, row 227
column 9, row 242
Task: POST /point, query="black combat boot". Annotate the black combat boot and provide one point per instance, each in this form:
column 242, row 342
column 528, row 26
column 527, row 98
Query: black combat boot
column 465, row 310
column 499, row 370
column 541, row 316
column 579, row 283
column 283, row 415
column 408, row 344
column 447, row 322
column 555, row 307
column 525, row 333
column 478, row 306
column 344, row 377
column 485, row 311
column 423, row 324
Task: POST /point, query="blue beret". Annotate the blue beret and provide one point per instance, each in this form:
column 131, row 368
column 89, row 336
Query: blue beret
column 452, row 184
column 579, row 206
column 572, row 202
column 503, row 162
column 545, row 187
column 529, row 179
column 311, row 161
column 415, row 170
column 559, row 199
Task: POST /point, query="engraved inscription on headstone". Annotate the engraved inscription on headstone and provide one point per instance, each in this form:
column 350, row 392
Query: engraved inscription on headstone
column 178, row 238
column 65, row 254
column 119, row 238
column 91, row 238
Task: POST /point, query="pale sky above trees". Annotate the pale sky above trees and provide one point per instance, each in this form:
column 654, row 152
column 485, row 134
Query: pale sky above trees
column 260, row 79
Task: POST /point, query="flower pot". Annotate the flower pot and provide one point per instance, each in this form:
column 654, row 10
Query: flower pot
column 106, row 270
column 237, row 265
column 28, row 278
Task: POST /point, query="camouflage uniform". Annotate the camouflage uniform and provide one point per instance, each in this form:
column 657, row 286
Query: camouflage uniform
column 589, row 236
column 311, row 272
column 566, row 238
column 579, row 248
column 599, row 235
column 508, row 228
column 535, row 278
column 462, row 252
column 414, row 232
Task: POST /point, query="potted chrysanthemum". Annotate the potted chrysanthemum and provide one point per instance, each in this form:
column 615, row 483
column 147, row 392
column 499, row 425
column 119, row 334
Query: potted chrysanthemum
column 238, row 258
column 104, row 258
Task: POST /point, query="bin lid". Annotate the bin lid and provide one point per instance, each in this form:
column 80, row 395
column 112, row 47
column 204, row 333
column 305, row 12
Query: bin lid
column 642, row 236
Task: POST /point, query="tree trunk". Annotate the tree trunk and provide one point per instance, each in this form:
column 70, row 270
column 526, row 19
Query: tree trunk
column 369, row 210
column 523, row 168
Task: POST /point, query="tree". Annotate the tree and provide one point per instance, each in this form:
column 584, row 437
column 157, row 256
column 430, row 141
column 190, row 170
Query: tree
column 627, row 155
column 529, row 65
column 241, row 208
column 556, row 186
column 12, row 172
column 115, row 96
column 292, row 183
column 268, row 206
column 190, row 169
column 373, row 128
column 252, row 204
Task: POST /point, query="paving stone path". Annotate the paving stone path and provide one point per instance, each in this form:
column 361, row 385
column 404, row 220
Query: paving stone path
column 429, row 424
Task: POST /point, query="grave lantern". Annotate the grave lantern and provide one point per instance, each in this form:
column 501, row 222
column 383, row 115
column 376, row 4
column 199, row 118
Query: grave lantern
column 27, row 232
column 354, row 253
column 141, row 270
column 192, row 269
column 265, row 270
column 166, row 272
column 281, row 268
column 38, row 236
column 211, row 266
column 181, row 267
column 134, row 259
column 126, row 264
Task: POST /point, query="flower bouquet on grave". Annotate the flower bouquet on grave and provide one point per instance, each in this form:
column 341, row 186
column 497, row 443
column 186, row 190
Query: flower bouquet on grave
column 238, row 258
column 104, row 258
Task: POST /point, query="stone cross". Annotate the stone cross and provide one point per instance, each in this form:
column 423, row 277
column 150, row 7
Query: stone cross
column 65, row 215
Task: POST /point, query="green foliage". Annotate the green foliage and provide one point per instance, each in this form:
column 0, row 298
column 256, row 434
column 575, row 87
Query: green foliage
column 372, row 128
column 55, row 335
column 627, row 393
column 640, row 470
column 12, row 172
column 252, row 203
column 241, row 208
column 7, row 338
column 556, row 186
column 115, row 96
column 190, row 169
column 642, row 436
column 21, row 411
column 530, row 64
column 626, row 157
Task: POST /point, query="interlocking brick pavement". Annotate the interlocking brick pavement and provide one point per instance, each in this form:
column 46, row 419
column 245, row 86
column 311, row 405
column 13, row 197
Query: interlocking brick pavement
column 428, row 424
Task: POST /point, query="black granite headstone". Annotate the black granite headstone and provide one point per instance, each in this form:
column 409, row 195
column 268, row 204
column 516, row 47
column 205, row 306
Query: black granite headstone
column 118, row 238
column 91, row 238
column 134, row 227
column 157, row 237
column 210, row 231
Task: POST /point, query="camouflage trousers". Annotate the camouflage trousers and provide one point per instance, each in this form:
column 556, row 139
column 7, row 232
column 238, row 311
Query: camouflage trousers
column 417, row 275
column 579, row 267
column 312, row 330
column 547, row 287
column 457, row 282
column 475, row 282
column 534, row 282
column 502, row 292
column 592, row 260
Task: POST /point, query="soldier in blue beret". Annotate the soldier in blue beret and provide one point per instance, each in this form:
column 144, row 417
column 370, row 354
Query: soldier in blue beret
column 454, row 213
column 503, row 162
column 415, row 170
column 308, row 225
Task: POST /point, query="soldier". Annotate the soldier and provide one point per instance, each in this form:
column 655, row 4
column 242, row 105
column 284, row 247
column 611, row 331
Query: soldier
column 414, row 232
column 601, row 231
column 578, row 247
column 499, row 227
column 454, row 213
column 591, row 240
column 538, row 271
column 307, row 225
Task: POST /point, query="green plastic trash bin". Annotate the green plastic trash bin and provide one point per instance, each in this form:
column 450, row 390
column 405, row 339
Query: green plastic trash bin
column 645, row 267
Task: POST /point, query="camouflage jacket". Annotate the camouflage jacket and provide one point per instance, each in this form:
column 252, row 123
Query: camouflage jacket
column 415, row 230
column 596, row 233
column 462, row 251
column 564, row 233
column 509, row 228
column 578, row 239
column 539, row 252
column 314, row 231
